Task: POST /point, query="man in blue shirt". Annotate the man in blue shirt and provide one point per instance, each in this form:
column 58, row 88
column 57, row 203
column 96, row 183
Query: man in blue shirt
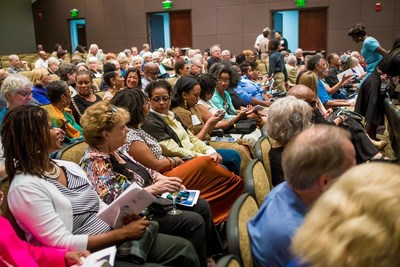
column 311, row 162
column 319, row 66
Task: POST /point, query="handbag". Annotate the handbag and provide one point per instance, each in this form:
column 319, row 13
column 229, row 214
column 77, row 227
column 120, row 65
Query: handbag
column 350, row 114
column 136, row 251
column 160, row 207
column 244, row 126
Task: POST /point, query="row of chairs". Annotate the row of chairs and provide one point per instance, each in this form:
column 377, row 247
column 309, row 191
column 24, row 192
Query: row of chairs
column 257, row 185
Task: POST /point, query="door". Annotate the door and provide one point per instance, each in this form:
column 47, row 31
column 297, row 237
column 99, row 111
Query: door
column 157, row 31
column 312, row 29
column 77, row 29
column 181, row 29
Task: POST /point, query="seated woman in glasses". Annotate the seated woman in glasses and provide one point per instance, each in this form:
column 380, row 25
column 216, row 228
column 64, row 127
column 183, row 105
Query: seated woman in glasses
column 59, row 113
column 17, row 90
column 111, row 172
column 54, row 203
column 217, row 185
column 173, row 137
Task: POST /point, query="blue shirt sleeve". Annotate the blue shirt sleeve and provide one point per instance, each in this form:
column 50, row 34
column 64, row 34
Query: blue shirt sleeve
column 322, row 93
column 245, row 97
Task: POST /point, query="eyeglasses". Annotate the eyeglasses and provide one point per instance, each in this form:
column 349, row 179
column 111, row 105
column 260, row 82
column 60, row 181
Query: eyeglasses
column 153, row 73
column 162, row 98
column 25, row 93
column 313, row 103
column 224, row 80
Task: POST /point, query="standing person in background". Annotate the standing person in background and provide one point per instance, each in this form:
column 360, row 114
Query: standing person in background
column 263, row 45
column 371, row 50
column 277, row 67
column 283, row 44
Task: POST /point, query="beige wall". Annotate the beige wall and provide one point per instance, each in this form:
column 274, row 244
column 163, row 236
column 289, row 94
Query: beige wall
column 16, row 34
column 118, row 24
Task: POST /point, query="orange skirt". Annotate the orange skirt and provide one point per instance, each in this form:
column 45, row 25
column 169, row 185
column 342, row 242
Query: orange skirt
column 217, row 185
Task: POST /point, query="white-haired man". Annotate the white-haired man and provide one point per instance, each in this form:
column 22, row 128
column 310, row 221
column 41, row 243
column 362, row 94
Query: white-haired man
column 14, row 64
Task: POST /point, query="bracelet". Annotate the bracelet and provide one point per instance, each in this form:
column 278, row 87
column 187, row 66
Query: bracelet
column 170, row 163
column 175, row 163
column 230, row 121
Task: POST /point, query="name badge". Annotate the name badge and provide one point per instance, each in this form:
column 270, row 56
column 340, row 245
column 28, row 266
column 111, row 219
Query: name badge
column 195, row 120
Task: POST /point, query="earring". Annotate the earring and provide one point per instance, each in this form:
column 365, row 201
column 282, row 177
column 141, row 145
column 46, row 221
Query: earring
column 185, row 103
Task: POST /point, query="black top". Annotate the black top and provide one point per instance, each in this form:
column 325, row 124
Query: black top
column 277, row 64
column 82, row 104
column 275, row 158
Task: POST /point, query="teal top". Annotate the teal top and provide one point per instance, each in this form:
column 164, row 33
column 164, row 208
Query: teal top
column 219, row 102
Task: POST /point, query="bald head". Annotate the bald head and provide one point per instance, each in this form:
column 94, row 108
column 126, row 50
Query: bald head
column 150, row 71
column 302, row 92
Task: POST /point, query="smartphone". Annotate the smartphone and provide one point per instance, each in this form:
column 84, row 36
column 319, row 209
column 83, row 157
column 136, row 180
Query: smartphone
column 187, row 158
column 223, row 139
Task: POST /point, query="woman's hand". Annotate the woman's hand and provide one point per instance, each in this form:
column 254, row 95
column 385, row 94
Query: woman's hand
column 216, row 157
column 250, row 109
column 74, row 257
column 128, row 218
column 212, row 121
column 165, row 184
column 135, row 230
column 328, row 112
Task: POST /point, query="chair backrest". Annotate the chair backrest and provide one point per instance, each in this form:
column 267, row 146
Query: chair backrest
column 73, row 152
column 244, row 208
column 101, row 94
column 97, row 81
column 261, row 149
column 393, row 117
column 27, row 74
column 228, row 261
column 256, row 181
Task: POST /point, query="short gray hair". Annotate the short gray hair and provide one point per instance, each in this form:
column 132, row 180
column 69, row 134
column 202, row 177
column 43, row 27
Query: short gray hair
column 314, row 152
column 291, row 59
column 14, row 83
column 287, row 117
column 53, row 60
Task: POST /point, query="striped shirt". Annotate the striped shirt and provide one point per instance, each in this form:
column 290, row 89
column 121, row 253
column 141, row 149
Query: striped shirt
column 85, row 205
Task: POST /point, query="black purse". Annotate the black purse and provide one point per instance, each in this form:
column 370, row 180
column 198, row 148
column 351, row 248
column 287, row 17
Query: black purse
column 244, row 126
column 136, row 251
column 160, row 207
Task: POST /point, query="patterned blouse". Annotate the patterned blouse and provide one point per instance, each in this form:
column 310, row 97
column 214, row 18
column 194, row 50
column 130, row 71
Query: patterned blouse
column 141, row 136
column 108, row 183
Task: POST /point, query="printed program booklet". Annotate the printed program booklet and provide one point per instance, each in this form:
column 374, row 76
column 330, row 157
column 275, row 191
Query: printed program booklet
column 190, row 201
column 133, row 200
column 101, row 258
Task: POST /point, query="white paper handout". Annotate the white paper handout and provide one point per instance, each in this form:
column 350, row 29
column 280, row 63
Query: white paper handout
column 344, row 73
column 134, row 199
column 99, row 258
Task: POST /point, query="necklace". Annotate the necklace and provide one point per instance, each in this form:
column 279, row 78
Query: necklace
column 54, row 173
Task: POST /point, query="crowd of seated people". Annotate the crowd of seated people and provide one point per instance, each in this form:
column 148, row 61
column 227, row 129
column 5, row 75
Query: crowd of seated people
column 151, row 124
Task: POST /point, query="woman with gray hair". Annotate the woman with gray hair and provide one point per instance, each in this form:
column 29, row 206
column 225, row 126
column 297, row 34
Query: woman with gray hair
column 286, row 118
column 17, row 90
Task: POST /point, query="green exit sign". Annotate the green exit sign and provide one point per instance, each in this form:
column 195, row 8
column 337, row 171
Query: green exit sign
column 167, row 4
column 300, row 3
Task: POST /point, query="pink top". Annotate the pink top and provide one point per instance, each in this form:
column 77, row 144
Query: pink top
column 16, row 252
